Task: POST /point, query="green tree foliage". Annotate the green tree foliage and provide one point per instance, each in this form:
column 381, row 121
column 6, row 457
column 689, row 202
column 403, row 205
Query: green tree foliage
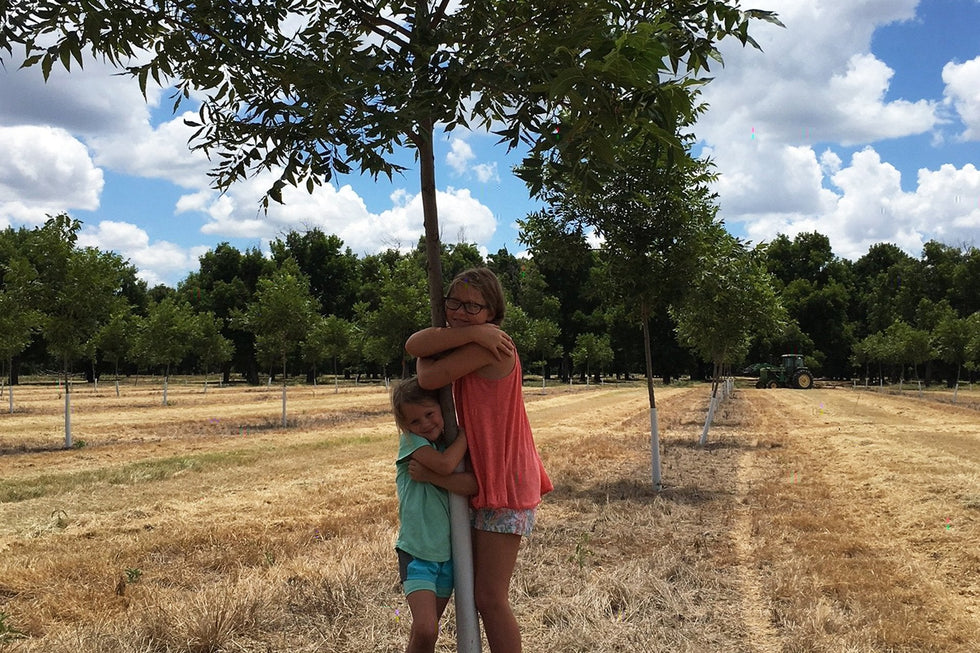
column 281, row 313
column 731, row 299
column 591, row 351
column 225, row 285
column 816, row 289
column 951, row 339
column 114, row 339
column 329, row 338
column 401, row 309
column 18, row 319
column 332, row 273
column 165, row 336
column 209, row 345
column 280, row 317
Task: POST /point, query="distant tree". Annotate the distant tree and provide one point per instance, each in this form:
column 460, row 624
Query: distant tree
column 76, row 292
column 114, row 338
column 972, row 353
column 731, row 299
column 211, row 347
column 907, row 346
column 280, row 316
column 166, row 336
column 950, row 339
column 965, row 293
column 331, row 268
column 536, row 339
column 592, row 350
column 18, row 319
column 401, row 309
column 329, row 338
column 224, row 285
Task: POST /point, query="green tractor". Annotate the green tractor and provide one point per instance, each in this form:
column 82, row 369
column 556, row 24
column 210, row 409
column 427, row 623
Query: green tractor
column 793, row 373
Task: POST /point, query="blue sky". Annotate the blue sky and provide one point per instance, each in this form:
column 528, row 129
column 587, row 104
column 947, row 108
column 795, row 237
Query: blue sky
column 860, row 120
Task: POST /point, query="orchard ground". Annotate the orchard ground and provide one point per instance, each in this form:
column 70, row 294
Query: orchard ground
column 835, row 519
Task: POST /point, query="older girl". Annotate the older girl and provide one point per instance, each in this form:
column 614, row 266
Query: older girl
column 481, row 362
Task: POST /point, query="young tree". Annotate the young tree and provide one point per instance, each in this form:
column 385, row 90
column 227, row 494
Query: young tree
column 213, row 349
column 653, row 220
column 329, row 338
column 280, row 316
column 731, row 298
column 114, row 338
column 18, row 320
column 77, row 291
column 400, row 311
column 591, row 349
column 166, row 335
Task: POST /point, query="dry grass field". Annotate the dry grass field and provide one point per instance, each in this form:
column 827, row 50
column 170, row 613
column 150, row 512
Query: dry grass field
column 835, row 520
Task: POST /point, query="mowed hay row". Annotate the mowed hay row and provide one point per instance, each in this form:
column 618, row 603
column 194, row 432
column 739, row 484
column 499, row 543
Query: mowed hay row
column 847, row 538
column 282, row 541
column 191, row 413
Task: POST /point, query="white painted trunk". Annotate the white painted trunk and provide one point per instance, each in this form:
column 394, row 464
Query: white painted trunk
column 284, row 405
column 655, row 450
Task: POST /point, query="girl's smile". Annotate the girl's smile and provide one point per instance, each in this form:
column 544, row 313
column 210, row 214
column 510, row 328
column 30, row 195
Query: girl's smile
column 460, row 317
column 424, row 419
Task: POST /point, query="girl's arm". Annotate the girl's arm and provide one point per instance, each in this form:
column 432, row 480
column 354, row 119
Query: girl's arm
column 437, row 372
column 461, row 483
column 442, row 462
column 435, row 340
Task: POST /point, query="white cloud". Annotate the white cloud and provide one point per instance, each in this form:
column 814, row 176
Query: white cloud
column 486, row 172
column 89, row 101
column 871, row 207
column 817, row 82
column 160, row 153
column 963, row 92
column 459, row 156
column 45, row 171
column 340, row 211
column 157, row 262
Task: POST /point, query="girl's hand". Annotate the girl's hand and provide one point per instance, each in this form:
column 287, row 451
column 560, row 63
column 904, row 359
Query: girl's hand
column 495, row 340
column 419, row 472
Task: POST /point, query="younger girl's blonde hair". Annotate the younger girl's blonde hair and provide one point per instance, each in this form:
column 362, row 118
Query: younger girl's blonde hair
column 408, row 391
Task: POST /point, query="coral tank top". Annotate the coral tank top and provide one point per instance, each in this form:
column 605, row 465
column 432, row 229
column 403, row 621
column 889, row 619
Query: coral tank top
column 505, row 461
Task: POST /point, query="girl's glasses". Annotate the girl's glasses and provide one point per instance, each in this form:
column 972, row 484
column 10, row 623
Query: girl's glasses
column 470, row 307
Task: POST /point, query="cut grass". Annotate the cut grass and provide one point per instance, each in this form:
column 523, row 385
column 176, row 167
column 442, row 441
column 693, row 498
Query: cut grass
column 284, row 541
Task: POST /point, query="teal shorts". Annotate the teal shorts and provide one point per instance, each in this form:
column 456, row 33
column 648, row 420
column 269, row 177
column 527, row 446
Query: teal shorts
column 417, row 574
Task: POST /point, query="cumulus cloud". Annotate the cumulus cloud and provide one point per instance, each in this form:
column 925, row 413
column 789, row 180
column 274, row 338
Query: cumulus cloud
column 340, row 211
column 963, row 92
column 460, row 159
column 869, row 206
column 779, row 119
column 159, row 262
column 45, row 171
column 459, row 156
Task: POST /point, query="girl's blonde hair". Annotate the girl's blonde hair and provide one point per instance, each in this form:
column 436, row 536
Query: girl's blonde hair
column 484, row 280
column 408, row 391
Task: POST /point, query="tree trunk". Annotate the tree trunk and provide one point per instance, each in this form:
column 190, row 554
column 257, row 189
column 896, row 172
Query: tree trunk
column 68, row 442
column 655, row 471
column 711, row 407
column 467, row 626
column 284, row 391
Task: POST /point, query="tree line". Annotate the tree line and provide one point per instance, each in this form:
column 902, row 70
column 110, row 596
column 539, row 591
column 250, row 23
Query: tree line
column 314, row 306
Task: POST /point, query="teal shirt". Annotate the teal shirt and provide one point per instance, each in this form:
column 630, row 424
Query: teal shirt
column 423, row 508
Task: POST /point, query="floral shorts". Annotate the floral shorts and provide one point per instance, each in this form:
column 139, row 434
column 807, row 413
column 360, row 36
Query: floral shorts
column 503, row 520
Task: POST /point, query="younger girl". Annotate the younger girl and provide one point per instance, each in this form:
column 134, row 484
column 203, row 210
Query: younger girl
column 480, row 360
column 424, row 550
